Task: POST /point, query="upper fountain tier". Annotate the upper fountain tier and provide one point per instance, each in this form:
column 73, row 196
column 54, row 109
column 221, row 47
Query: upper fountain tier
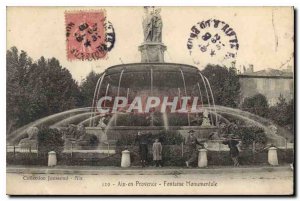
column 153, row 79
column 144, row 67
column 153, row 76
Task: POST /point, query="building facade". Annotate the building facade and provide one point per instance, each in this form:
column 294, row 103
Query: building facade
column 270, row 82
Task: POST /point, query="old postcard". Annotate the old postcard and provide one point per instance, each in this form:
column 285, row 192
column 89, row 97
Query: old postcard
column 150, row 100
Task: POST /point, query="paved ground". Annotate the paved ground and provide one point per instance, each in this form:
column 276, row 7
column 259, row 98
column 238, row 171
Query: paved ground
column 136, row 180
column 136, row 170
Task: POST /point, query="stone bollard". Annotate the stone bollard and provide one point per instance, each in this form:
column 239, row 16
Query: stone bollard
column 202, row 158
column 52, row 158
column 125, row 160
column 272, row 156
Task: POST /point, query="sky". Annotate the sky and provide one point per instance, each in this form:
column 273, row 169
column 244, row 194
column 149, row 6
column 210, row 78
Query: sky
column 265, row 35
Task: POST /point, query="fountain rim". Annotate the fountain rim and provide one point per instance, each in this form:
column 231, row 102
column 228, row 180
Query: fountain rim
column 151, row 63
column 129, row 66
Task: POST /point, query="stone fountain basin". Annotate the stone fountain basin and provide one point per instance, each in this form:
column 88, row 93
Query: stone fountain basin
column 116, row 132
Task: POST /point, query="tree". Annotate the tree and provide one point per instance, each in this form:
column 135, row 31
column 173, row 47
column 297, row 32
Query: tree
column 54, row 87
column 248, row 135
column 37, row 89
column 283, row 113
column 224, row 83
column 256, row 104
column 87, row 88
column 18, row 68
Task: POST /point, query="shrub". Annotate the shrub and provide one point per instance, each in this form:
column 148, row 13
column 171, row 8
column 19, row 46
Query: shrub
column 50, row 140
column 178, row 119
column 171, row 137
column 283, row 113
column 132, row 120
column 166, row 137
column 256, row 104
column 249, row 135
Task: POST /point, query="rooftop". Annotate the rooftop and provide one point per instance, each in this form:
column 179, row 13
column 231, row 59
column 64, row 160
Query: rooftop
column 268, row 73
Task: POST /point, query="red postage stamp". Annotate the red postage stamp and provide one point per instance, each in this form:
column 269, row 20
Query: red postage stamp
column 89, row 36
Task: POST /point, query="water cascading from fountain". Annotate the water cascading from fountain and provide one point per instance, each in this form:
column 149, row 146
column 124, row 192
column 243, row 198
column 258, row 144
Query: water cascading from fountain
column 106, row 93
column 184, row 85
column 212, row 96
column 96, row 94
column 207, row 95
column 118, row 92
column 201, row 98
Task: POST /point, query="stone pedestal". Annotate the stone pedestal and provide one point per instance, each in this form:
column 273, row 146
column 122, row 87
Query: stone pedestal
column 272, row 156
column 152, row 52
column 52, row 158
column 202, row 158
column 125, row 160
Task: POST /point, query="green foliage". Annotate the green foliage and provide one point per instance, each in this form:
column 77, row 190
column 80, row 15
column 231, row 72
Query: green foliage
column 224, row 83
column 256, row 104
column 37, row 89
column 177, row 119
column 165, row 137
column 132, row 120
column 87, row 88
column 17, row 70
column 50, row 140
column 248, row 135
column 283, row 113
column 170, row 137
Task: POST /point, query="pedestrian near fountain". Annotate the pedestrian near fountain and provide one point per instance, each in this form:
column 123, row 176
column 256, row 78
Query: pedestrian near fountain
column 192, row 143
column 157, row 153
column 234, row 151
column 142, row 140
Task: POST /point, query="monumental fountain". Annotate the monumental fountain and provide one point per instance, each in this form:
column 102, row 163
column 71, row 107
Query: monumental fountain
column 152, row 77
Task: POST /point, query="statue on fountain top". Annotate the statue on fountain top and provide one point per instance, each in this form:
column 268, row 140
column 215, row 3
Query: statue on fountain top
column 152, row 25
column 152, row 49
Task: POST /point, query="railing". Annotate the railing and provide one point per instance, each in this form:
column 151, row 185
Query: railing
column 21, row 149
column 108, row 149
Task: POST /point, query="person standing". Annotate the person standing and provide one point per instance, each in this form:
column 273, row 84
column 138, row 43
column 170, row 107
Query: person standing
column 157, row 153
column 234, row 151
column 142, row 140
column 192, row 143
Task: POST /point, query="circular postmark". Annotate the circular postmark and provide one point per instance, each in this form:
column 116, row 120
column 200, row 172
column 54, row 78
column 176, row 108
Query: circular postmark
column 213, row 42
column 89, row 35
